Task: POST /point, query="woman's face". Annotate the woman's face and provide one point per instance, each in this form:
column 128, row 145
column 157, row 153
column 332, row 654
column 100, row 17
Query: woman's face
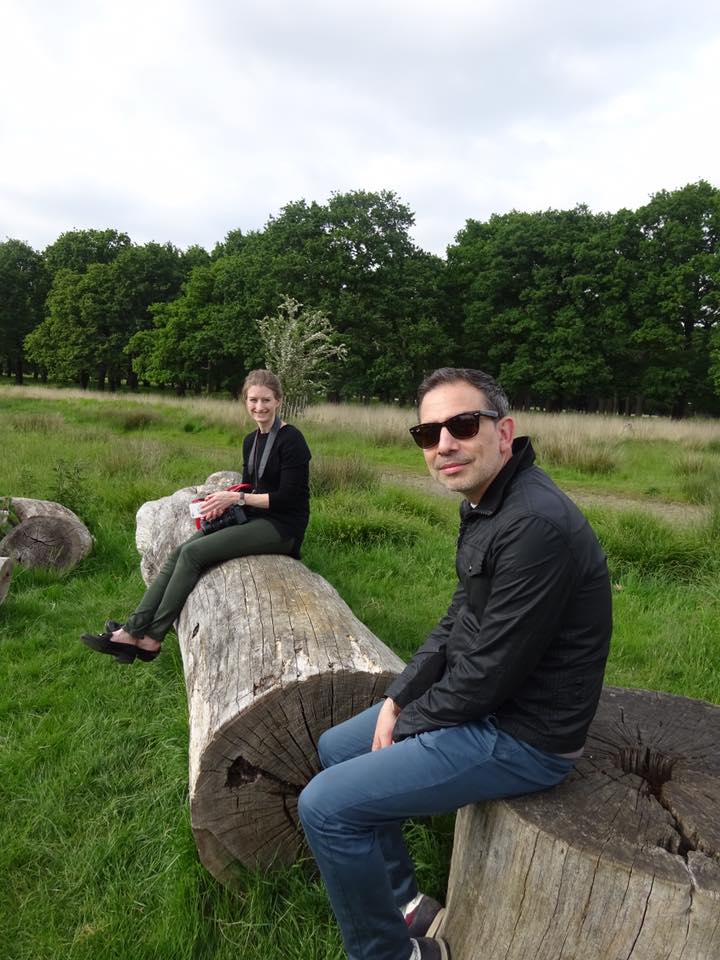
column 262, row 405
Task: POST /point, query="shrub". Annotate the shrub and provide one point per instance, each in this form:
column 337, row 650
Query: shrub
column 700, row 477
column 37, row 422
column 332, row 474
column 575, row 453
column 300, row 346
column 129, row 420
column 369, row 529
column 71, row 487
column 193, row 426
column 647, row 545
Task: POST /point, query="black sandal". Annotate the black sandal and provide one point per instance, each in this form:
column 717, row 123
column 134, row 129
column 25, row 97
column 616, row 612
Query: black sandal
column 103, row 643
column 146, row 655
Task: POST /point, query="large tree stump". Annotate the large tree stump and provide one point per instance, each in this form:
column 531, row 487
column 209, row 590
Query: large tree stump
column 45, row 534
column 6, row 566
column 621, row 861
column 272, row 657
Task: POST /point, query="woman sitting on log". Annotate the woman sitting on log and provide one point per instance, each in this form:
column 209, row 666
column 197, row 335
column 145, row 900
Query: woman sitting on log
column 273, row 520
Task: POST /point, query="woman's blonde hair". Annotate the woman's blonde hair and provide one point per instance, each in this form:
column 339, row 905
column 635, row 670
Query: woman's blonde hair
column 262, row 378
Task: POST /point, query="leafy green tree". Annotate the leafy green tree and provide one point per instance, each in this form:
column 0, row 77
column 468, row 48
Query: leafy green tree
column 232, row 244
column 714, row 366
column 194, row 256
column 353, row 259
column 59, row 345
column 548, row 302
column 143, row 276
column 92, row 315
column 678, row 296
column 418, row 334
column 299, row 347
column 23, row 287
column 521, row 306
column 201, row 340
column 75, row 250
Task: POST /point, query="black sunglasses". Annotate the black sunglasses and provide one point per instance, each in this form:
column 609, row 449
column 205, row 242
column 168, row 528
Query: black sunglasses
column 462, row 426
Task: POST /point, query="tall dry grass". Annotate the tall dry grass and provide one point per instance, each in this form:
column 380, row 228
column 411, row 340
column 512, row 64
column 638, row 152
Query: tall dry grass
column 566, row 428
column 224, row 412
column 386, row 422
column 697, row 432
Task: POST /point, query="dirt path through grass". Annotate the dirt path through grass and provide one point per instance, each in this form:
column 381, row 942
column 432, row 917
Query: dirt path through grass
column 681, row 514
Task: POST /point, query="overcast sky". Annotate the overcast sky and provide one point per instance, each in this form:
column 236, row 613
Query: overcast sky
column 179, row 120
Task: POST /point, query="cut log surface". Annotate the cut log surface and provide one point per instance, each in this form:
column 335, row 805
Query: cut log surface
column 47, row 535
column 6, row 566
column 272, row 657
column 621, row 862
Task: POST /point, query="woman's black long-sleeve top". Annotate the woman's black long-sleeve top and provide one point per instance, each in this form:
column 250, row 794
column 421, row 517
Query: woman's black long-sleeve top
column 286, row 478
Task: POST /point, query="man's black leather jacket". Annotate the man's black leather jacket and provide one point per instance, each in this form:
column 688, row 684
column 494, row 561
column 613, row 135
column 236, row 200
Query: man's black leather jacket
column 527, row 633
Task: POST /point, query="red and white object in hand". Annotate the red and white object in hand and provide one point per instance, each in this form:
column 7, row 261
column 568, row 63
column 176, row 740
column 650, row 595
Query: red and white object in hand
column 196, row 508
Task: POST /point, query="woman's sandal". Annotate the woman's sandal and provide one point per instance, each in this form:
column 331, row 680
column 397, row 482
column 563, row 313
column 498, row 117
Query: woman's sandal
column 103, row 643
column 147, row 655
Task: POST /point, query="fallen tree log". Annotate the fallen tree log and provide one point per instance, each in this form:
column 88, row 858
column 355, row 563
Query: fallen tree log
column 6, row 566
column 621, row 861
column 45, row 534
column 272, row 656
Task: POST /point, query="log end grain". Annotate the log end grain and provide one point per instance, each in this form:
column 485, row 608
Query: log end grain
column 244, row 797
column 47, row 535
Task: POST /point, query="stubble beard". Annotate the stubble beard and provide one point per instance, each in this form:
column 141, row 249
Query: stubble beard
column 473, row 485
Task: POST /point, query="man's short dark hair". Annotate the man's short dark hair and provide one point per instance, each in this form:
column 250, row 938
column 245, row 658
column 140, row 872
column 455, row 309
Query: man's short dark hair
column 496, row 397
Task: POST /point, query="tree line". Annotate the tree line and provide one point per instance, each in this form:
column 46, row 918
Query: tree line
column 570, row 309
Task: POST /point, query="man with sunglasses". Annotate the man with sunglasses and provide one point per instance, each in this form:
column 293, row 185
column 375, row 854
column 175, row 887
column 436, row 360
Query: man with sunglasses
column 498, row 700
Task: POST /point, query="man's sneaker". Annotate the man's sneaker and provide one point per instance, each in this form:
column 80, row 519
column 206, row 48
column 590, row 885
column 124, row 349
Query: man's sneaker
column 428, row 949
column 425, row 919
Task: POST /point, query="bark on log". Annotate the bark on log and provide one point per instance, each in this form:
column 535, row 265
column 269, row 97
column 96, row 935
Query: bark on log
column 47, row 535
column 6, row 566
column 272, row 657
column 621, row 861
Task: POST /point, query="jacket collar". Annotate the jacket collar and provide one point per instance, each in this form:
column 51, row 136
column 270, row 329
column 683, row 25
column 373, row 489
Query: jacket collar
column 523, row 456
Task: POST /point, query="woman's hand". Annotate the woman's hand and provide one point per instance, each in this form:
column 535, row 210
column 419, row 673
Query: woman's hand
column 217, row 503
column 385, row 725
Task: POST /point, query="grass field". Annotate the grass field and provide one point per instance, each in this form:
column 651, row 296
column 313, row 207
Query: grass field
column 97, row 856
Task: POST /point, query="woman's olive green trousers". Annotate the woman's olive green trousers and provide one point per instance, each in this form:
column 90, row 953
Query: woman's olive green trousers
column 166, row 595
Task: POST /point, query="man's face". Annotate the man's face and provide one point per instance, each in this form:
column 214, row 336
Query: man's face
column 467, row 466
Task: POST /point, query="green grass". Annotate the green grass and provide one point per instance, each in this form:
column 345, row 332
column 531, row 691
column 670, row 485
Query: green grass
column 638, row 469
column 97, row 856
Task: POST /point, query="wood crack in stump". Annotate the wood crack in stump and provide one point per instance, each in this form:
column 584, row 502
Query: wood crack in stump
column 655, row 769
column 290, row 819
column 308, row 728
column 241, row 772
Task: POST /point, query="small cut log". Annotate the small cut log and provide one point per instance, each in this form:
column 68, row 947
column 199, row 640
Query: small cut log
column 46, row 534
column 272, row 657
column 621, row 861
column 6, row 566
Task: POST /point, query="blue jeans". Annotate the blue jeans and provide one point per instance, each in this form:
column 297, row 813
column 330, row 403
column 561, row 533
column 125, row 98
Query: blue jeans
column 353, row 811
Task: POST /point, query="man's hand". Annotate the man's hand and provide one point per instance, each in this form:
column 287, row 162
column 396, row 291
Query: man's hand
column 385, row 725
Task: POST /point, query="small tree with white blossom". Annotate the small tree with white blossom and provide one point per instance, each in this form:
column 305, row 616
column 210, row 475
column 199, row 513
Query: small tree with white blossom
column 299, row 345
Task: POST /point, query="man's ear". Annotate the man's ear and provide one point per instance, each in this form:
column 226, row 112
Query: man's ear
column 506, row 429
